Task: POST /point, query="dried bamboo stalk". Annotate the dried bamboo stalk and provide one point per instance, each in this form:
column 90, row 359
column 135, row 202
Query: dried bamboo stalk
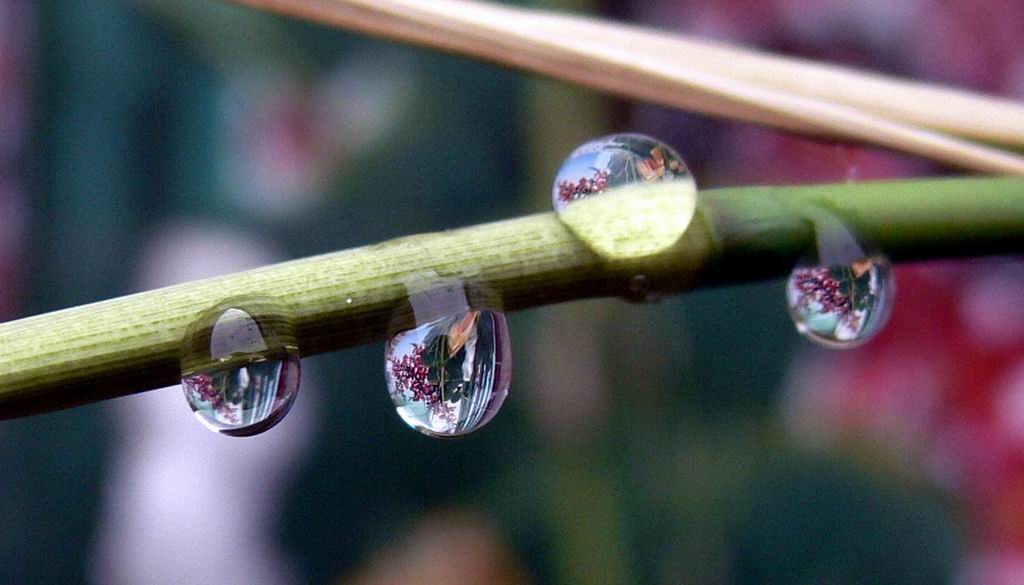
column 656, row 67
column 961, row 113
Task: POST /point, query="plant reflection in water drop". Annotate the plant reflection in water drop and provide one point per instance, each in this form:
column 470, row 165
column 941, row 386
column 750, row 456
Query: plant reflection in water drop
column 843, row 298
column 241, row 369
column 450, row 376
column 613, row 161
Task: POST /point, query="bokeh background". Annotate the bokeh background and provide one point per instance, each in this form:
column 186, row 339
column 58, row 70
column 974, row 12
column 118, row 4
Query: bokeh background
column 698, row 440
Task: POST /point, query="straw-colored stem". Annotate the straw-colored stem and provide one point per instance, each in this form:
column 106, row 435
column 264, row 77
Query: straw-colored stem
column 632, row 248
column 946, row 109
column 645, row 65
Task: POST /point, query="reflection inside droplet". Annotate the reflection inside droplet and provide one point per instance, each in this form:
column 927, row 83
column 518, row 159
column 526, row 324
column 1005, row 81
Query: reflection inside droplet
column 842, row 295
column 625, row 196
column 240, row 367
column 449, row 375
column 613, row 161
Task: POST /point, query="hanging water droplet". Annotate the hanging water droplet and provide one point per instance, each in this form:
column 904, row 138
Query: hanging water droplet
column 641, row 290
column 842, row 296
column 240, row 367
column 613, row 161
column 450, row 375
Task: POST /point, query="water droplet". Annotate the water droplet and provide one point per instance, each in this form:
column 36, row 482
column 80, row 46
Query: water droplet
column 450, row 375
column 240, row 367
column 841, row 297
column 642, row 290
column 849, row 157
column 648, row 197
column 613, row 161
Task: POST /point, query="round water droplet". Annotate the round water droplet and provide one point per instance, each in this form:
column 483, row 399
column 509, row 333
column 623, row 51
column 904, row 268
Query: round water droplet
column 451, row 375
column 641, row 290
column 240, row 367
column 613, row 161
column 842, row 296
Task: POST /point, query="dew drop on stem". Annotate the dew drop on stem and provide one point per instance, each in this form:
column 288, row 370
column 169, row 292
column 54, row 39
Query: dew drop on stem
column 450, row 374
column 614, row 161
column 841, row 294
column 241, row 366
column 597, row 171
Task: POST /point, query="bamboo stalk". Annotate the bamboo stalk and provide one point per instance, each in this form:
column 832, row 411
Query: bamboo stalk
column 961, row 113
column 703, row 77
column 358, row 296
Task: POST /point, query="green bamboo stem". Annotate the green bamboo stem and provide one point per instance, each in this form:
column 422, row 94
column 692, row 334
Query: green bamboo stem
column 638, row 245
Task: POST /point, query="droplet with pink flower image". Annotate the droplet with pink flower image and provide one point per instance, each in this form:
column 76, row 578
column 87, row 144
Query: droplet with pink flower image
column 450, row 374
column 614, row 161
column 241, row 366
column 841, row 295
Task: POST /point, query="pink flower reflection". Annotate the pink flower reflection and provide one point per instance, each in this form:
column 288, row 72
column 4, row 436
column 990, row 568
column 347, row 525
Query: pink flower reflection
column 937, row 390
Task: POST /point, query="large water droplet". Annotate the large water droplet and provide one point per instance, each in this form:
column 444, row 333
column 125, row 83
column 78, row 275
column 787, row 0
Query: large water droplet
column 613, row 161
column 842, row 295
column 450, row 375
column 240, row 367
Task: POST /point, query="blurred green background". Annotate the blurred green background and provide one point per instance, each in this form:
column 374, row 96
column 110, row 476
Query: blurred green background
column 639, row 444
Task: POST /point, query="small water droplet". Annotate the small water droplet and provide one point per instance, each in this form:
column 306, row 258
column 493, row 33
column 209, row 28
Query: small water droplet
column 241, row 367
column 613, row 161
column 450, row 375
column 641, row 290
column 348, row 301
column 841, row 297
column 848, row 157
